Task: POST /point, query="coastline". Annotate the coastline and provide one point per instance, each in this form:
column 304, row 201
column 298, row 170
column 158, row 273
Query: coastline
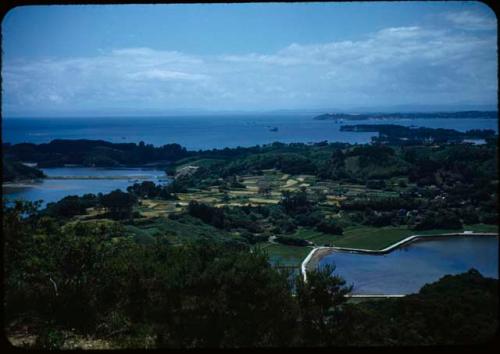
column 314, row 257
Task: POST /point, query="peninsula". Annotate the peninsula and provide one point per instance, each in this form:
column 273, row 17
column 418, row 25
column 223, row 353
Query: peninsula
column 411, row 115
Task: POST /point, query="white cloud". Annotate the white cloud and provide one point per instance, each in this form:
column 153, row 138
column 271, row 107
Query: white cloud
column 148, row 55
column 469, row 20
column 156, row 74
column 394, row 65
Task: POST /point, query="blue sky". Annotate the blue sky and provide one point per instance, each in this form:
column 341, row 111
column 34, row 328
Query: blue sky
column 254, row 57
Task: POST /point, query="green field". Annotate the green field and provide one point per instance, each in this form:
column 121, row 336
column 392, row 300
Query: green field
column 284, row 254
column 376, row 238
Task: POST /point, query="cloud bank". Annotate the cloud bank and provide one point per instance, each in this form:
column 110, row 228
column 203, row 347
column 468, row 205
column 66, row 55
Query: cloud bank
column 396, row 65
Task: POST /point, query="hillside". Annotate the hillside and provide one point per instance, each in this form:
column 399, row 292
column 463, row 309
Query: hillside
column 17, row 171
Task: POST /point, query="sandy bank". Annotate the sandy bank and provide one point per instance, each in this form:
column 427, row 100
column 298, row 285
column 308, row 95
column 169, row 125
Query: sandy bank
column 20, row 184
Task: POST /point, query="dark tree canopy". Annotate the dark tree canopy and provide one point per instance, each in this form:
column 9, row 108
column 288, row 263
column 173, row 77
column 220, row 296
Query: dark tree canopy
column 119, row 204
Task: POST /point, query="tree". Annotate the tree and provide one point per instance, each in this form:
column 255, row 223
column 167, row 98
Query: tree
column 71, row 205
column 208, row 214
column 145, row 189
column 59, row 274
column 320, row 298
column 119, row 204
column 295, row 202
column 226, row 299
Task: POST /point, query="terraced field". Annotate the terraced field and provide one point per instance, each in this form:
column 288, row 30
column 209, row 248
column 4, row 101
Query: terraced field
column 259, row 190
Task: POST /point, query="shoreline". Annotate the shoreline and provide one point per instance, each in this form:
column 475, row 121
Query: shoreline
column 317, row 253
column 22, row 183
column 101, row 177
column 33, row 183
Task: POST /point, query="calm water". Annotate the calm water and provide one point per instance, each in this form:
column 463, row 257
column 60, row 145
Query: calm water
column 407, row 269
column 209, row 132
column 51, row 190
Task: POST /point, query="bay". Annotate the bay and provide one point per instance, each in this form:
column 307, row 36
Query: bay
column 209, row 132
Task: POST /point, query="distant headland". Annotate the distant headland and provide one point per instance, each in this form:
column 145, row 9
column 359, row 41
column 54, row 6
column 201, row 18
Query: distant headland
column 412, row 115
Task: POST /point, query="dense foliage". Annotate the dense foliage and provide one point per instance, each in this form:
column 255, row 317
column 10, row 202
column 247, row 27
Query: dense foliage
column 73, row 205
column 93, row 279
column 150, row 190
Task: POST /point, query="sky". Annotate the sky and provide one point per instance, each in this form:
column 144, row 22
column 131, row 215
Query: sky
column 119, row 59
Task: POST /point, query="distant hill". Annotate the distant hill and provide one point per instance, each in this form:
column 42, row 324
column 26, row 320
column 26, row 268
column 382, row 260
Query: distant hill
column 413, row 115
column 96, row 153
column 427, row 108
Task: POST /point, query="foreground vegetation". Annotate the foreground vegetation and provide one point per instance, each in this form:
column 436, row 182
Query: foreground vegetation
column 70, row 284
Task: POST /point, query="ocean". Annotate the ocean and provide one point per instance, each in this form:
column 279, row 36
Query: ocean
column 209, row 132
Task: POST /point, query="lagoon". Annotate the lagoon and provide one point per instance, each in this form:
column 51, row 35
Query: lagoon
column 406, row 269
column 64, row 181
